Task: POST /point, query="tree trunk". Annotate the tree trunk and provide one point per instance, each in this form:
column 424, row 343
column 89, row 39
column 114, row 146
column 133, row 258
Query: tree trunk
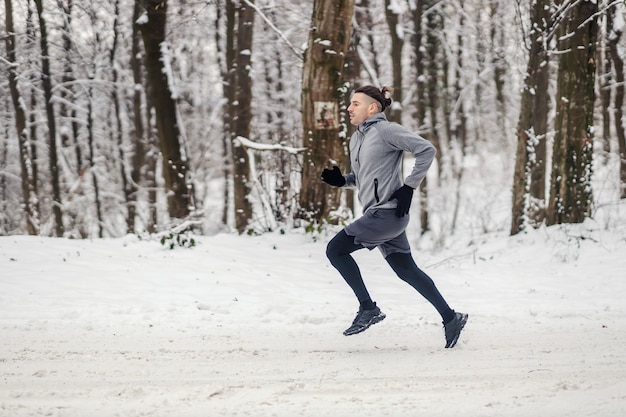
column 435, row 27
column 242, row 116
column 397, row 41
column 92, row 165
column 52, row 130
column 32, row 116
column 615, row 35
column 420, row 97
column 226, row 60
column 529, row 192
column 68, row 114
column 139, row 146
column 323, row 95
column 427, row 50
column 175, row 161
column 458, row 123
column 117, row 133
column 498, row 61
column 28, row 194
column 605, row 79
column 571, row 193
column 323, row 91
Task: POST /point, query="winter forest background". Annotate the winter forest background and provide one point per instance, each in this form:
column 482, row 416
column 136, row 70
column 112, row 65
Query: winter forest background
column 144, row 116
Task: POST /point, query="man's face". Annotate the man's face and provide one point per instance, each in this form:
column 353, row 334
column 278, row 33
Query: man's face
column 361, row 108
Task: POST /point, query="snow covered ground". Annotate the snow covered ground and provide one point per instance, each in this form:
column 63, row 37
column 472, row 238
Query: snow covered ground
column 252, row 326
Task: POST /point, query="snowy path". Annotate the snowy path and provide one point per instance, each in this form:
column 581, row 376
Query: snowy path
column 252, row 327
column 66, row 369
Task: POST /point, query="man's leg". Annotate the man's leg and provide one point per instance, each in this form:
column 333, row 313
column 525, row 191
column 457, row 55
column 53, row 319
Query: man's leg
column 338, row 252
column 406, row 268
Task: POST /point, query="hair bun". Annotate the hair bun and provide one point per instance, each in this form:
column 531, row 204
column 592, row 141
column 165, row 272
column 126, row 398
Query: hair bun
column 387, row 93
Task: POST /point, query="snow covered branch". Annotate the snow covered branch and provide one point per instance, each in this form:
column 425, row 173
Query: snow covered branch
column 247, row 143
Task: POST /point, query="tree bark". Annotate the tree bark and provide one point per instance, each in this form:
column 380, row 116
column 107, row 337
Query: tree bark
column 226, row 60
column 615, row 35
column 457, row 120
column 605, row 81
column 92, row 165
column 175, row 161
column 420, row 98
column 529, row 191
column 52, row 130
column 323, row 93
column 139, row 145
column 118, row 132
column 242, row 117
column 27, row 179
column 571, row 193
column 397, row 41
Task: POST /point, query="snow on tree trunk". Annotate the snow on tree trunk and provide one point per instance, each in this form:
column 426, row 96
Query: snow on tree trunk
column 615, row 18
column 46, row 77
column 175, row 162
column 530, row 163
column 323, row 90
column 571, row 194
column 28, row 194
column 241, row 117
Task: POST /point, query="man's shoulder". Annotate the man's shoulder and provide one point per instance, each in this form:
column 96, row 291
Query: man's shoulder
column 387, row 128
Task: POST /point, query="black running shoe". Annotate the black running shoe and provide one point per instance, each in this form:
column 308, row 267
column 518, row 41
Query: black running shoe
column 453, row 328
column 363, row 320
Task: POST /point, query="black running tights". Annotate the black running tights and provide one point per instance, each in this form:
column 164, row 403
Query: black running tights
column 342, row 245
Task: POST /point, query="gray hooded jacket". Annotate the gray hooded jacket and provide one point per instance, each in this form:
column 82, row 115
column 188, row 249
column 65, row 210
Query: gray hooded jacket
column 376, row 149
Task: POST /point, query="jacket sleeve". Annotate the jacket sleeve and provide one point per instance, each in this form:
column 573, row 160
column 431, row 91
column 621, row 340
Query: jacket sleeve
column 423, row 151
column 350, row 180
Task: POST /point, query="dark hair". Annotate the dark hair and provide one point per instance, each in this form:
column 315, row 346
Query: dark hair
column 382, row 96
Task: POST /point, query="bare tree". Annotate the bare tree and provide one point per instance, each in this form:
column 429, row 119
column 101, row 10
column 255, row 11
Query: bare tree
column 396, row 33
column 497, row 42
column 428, row 23
column 456, row 118
column 605, row 78
column 67, row 113
column 27, row 179
column 175, row 161
column 571, row 194
column 241, row 116
column 46, row 77
column 137, row 133
column 225, row 59
column 529, row 192
column 614, row 35
column 117, row 130
column 323, row 91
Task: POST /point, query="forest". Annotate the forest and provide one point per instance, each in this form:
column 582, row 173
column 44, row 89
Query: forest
column 162, row 116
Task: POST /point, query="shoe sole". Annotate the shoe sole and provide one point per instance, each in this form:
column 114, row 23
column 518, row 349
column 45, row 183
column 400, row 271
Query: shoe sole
column 458, row 333
column 373, row 320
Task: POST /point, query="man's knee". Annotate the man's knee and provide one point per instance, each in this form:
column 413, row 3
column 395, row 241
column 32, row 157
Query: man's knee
column 330, row 250
column 338, row 245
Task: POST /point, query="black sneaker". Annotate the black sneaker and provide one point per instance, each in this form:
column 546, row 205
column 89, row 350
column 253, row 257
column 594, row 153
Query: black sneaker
column 363, row 320
column 453, row 328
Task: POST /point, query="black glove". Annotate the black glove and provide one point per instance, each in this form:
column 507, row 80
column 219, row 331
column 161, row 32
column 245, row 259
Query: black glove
column 404, row 195
column 333, row 177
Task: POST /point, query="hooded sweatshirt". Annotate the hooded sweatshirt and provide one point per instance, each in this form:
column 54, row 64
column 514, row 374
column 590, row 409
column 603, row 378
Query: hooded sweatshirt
column 376, row 149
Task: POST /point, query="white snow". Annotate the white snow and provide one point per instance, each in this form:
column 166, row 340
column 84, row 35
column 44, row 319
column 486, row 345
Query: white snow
column 242, row 325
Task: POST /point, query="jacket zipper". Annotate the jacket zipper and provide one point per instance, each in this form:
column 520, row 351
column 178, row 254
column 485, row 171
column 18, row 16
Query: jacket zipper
column 376, row 190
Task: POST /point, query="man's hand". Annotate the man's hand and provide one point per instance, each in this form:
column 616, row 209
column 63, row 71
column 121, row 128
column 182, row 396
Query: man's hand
column 404, row 195
column 333, row 177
